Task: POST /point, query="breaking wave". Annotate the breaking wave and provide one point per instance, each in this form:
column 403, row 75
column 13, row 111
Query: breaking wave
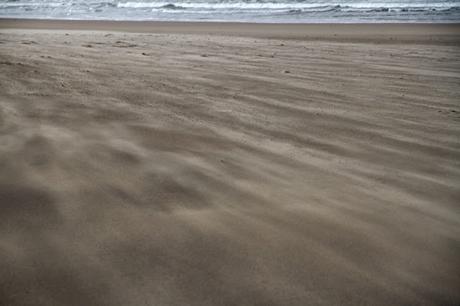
column 239, row 10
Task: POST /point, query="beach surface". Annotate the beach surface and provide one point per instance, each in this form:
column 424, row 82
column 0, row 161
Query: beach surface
column 229, row 164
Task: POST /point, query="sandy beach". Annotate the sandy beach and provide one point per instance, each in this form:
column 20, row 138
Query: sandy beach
column 147, row 163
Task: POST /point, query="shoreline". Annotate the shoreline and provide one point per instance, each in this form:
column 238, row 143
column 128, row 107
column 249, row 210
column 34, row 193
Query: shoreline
column 377, row 33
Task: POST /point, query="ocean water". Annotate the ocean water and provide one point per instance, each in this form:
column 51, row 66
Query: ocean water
column 309, row 11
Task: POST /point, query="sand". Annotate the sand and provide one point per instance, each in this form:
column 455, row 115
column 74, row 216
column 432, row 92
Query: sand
column 219, row 164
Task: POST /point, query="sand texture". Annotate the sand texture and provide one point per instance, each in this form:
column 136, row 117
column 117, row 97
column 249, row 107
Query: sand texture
column 195, row 169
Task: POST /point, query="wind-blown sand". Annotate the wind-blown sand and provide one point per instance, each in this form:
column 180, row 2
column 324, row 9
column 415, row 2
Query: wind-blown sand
column 229, row 169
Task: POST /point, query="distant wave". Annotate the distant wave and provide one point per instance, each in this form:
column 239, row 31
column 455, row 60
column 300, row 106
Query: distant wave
column 367, row 11
column 171, row 6
column 279, row 5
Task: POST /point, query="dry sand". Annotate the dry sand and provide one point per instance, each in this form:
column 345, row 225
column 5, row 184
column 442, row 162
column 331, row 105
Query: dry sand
column 170, row 168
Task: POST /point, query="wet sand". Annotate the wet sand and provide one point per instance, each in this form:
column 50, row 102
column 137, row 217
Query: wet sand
column 229, row 164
